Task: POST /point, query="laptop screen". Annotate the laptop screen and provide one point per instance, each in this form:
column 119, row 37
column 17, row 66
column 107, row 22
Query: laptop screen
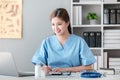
column 7, row 64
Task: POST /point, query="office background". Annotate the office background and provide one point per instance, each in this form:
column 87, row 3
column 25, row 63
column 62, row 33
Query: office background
column 36, row 27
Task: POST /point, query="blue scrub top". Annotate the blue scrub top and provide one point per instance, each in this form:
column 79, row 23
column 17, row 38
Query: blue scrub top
column 74, row 52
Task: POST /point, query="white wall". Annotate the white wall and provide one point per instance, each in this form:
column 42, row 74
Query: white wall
column 36, row 26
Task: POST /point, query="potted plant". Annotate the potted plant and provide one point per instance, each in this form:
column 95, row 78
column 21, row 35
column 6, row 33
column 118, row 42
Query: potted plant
column 92, row 17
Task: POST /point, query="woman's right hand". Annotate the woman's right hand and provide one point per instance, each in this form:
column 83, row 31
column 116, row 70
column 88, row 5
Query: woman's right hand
column 47, row 69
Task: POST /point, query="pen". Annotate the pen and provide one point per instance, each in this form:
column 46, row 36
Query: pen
column 42, row 64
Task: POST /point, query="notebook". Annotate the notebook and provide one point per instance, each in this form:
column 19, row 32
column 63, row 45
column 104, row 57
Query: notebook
column 8, row 66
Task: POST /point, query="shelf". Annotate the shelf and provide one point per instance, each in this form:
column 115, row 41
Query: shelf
column 111, row 2
column 112, row 48
column 88, row 3
column 108, row 32
column 96, row 48
column 87, row 25
column 112, row 25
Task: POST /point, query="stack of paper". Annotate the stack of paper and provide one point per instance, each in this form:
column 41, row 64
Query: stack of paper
column 111, row 38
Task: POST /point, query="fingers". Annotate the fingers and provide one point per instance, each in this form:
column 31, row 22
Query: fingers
column 57, row 70
column 47, row 69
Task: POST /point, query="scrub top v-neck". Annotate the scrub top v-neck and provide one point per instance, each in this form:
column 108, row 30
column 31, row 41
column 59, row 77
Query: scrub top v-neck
column 65, row 45
column 74, row 52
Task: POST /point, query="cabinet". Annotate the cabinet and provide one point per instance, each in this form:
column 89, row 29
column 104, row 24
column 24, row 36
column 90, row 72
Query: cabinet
column 107, row 24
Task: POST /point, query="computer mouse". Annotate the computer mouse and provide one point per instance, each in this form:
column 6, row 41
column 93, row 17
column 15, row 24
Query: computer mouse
column 90, row 74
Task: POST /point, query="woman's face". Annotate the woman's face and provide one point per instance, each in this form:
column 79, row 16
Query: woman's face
column 59, row 26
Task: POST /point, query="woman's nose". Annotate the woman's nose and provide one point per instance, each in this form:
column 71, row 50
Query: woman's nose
column 56, row 27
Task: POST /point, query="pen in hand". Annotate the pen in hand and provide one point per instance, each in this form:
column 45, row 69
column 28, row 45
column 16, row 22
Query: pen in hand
column 45, row 67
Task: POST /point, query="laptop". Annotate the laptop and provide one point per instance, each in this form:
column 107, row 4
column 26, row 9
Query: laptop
column 8, row 66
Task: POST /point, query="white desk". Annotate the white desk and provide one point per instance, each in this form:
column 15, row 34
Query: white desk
column 109, row 77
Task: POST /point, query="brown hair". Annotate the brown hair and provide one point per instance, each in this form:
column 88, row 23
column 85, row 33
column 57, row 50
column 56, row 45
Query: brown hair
column 62, row 14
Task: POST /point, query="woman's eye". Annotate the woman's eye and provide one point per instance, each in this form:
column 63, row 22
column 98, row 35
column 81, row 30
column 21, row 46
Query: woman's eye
column 53, row 24
column 59, row 24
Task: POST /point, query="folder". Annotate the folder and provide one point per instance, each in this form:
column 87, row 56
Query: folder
column 92, row 39
column 86, row 37
column 98, row 39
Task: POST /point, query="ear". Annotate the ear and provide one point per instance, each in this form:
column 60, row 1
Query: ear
column 68, row 23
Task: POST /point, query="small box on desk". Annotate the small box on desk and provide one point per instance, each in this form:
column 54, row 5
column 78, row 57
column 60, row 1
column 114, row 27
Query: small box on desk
column 109, row 71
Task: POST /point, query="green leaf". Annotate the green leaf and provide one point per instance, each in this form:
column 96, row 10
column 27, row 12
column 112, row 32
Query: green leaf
column 92, row 16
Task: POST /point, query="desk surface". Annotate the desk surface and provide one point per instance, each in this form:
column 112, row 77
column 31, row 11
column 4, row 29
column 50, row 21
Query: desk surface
column 108, row 77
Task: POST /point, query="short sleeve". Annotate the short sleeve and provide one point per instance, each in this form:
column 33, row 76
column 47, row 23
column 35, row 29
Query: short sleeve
column 87, row 57
column 40, row 54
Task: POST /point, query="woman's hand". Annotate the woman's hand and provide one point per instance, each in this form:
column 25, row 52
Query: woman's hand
column 47, row 69
column 58, row 70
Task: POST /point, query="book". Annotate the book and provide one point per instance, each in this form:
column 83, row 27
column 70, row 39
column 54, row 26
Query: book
column 75, row 15
column 112, row 31
column 92, row 39
column 110, row 45
column 106, row 16
column 95, row 65
column 79, row 15
column 100, row 61
column 111, row 38
column 114, row 63
column 112, row 41
column 98, row 39
column 114, row 59
column 112, row 34
column 118, row 16
column 86, row 37
column 112, row 16
column 105, row 59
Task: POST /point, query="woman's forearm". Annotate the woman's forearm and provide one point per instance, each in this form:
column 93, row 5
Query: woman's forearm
column 77, row 68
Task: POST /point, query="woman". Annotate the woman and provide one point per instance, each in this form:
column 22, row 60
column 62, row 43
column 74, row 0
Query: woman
column 63, row 51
